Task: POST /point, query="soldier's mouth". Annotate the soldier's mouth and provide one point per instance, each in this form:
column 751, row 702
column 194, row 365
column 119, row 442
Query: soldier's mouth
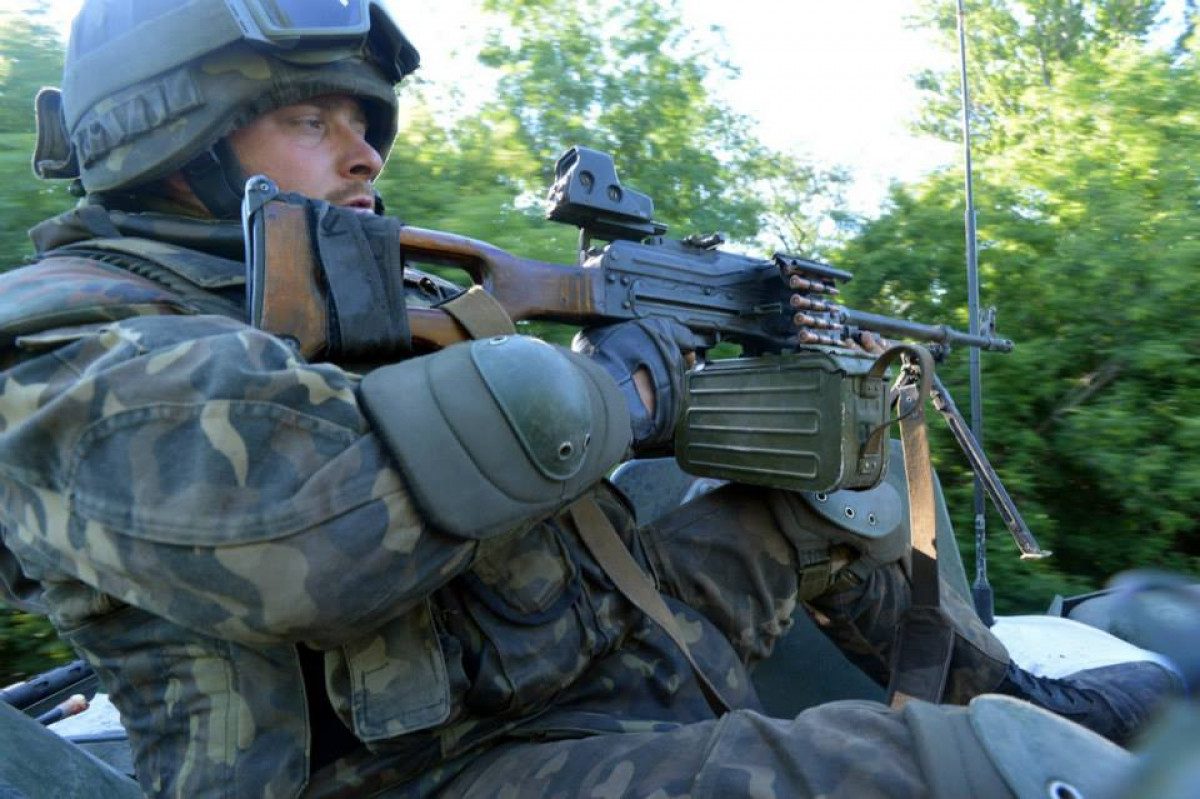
column 361, row 204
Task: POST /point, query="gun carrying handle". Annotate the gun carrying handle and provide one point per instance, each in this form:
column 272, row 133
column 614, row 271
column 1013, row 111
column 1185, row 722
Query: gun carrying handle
column 925, row 372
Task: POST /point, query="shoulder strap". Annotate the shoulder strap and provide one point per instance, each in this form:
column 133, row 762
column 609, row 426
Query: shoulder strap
column 481, row 316
column 194, row 277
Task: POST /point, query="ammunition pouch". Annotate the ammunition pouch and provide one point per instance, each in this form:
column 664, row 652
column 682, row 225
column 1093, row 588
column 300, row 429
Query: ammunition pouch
column 395, row 678
column 802, row 421
column 497, row 433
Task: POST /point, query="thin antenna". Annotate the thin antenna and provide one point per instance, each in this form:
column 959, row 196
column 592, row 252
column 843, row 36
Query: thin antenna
column 981, row 591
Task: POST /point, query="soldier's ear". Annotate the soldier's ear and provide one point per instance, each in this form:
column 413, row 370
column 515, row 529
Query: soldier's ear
column 53, row 155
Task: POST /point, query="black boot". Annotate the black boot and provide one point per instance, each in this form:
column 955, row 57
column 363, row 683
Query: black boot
column 1114, row 701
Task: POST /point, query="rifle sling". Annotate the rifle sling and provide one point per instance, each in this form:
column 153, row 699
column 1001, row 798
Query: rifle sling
column 609, row 550
column 925, row 638
column 480, row 314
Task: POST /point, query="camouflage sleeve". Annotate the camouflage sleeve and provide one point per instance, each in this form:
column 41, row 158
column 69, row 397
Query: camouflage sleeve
column 195, row 468
column 729, row 556
column 861, row 618
column 746, row 557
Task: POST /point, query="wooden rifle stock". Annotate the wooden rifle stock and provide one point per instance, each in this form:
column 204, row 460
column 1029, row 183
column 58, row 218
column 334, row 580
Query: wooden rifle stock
column 526, row 289
column 286, row 296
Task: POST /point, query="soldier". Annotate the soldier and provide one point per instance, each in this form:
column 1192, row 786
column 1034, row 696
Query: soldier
column 293, row 579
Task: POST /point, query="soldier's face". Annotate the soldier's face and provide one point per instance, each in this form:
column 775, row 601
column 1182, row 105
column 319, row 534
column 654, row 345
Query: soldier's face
column 317, row 148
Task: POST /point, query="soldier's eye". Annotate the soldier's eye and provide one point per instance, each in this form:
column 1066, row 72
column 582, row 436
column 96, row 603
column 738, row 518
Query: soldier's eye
column 309, row 129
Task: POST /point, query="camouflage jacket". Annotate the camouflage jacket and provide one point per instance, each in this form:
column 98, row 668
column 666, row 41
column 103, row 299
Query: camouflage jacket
column 197, row 508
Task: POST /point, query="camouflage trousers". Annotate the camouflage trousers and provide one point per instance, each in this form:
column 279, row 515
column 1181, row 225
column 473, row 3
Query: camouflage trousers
column 861, row 618
column 844, row 749
column 856, row 600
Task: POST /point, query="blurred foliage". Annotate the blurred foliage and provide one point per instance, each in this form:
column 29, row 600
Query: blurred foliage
column 623, row 77
column 628, row 78
column 1087, row 182
column 28, row 645
column 30, row 58
column 1088, row 248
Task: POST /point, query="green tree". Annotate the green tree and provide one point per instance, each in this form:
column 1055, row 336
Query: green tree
column 1183, row 41
column 1104, row 155
column 1015, row 45
column 631, row 79
column 1087, row 247
column 466, row 178
column 627, row 78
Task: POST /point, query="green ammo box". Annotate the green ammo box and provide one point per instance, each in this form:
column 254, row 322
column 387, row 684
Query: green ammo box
column 796, row 421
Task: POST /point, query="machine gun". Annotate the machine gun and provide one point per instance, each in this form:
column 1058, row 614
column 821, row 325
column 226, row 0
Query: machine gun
column 775, row 305
column 805, row 406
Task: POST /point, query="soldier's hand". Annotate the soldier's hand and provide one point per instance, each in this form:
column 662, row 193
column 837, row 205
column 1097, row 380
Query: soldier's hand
column 647, row 358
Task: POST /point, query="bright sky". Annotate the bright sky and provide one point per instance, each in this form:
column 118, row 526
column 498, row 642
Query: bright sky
column 830, row 80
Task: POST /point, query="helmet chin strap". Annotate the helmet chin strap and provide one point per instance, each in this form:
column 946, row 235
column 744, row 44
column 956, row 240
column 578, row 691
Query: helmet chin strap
column 215, row 176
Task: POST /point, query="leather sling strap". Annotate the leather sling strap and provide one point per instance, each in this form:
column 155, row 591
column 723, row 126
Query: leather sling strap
column 479, row 313
column 925, row 639
column 631, row 580
column 922, row 518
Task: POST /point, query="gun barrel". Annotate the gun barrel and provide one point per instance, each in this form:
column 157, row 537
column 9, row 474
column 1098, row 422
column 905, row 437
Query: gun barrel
column 939, row 334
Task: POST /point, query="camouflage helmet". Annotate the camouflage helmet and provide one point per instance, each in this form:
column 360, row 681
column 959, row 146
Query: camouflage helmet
column 154, row 86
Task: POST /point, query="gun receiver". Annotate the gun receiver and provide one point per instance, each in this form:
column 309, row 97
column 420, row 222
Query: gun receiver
column 775, row 305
